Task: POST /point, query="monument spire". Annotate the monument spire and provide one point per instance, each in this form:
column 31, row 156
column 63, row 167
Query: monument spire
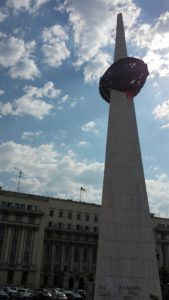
column 120, row 42
column 126, row 261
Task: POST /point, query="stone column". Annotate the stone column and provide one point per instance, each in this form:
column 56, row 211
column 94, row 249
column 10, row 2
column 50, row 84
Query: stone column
column 62, row 258
column 81, row 260
column 7, row 245
column 21, row 246
column 71, row 259
column 52, row 258
column 34, row 250
column 90, row 261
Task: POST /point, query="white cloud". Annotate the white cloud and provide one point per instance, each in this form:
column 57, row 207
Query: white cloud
column 66, row 99
column 48, row 91
column 2, row 92
column 37, row 5
column 5, row 109
column 31, row 6
column 161, row 111
column 19, row 4
column 165, row 126
column 3, row 16
column 156, row 85
column 97, row 66
column 16, row 55
column 36, row 108
column 83, row 143
column 142, row 34
column 25, row 69
column 154, row 40
column 157, row 63
column 31, row 103
column 44, row 166
column 54, row 48
column 30, row 135
column 90, row 127
column 34, row 102
column 94, row 31
column 163, row 22
column 11, row 51
column 158, row 192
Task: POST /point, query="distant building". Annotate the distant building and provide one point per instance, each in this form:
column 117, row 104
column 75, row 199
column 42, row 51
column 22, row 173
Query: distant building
column 53, row 242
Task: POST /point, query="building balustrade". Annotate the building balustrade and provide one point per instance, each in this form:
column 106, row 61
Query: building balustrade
column 74, row 228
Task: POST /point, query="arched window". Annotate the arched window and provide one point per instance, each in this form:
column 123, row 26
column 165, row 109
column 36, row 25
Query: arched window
column 71, row 283
column 81, row 284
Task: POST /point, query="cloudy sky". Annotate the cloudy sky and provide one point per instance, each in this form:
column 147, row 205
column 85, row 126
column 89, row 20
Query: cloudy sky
column 53, row 120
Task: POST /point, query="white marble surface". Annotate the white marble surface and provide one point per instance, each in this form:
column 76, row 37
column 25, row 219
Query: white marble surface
column 126, row 266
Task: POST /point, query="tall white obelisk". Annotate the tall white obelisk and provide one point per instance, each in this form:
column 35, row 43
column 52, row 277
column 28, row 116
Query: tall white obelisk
column 126, row 262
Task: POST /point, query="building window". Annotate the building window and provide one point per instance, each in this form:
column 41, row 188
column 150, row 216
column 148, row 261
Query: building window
column 50, row 224
column 31, row 220
column 87, row 217
column 95, row 229
column 24, row 278
column 76, row 254
column 4, row 217
column 30, row 207
column 34, row 207
column 56, row 268
column 163, row 236
column 94, row 256
column 45, row 280
column 60, row 225
column 65, row 268
column 95, row 218
column 77, row 227
column 60, row 213
column 20, row 206
column 78, row 216
column 69, row 226
column 87, row 228
column 57, row 253
column 10, row 204
column 10, row 277
column 69, row 215
column 23, row 206
column 18, row 219
column 14, row 244
column 56, row 280
column 51, row 212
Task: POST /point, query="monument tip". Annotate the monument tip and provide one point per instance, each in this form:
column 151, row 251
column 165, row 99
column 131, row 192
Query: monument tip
column 120, row 42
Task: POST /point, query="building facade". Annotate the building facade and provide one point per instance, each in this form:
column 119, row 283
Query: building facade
column 53, row 242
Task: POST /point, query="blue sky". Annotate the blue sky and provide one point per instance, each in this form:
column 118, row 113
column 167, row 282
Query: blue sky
column 53, row 120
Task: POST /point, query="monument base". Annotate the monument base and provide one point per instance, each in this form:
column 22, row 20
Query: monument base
column 126, row 289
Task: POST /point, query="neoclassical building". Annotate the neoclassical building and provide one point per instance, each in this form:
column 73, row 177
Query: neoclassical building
column 51, row 242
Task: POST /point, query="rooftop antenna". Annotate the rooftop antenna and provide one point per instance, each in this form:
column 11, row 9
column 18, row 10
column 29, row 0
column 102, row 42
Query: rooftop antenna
column 81, row 190
column 19, row 181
